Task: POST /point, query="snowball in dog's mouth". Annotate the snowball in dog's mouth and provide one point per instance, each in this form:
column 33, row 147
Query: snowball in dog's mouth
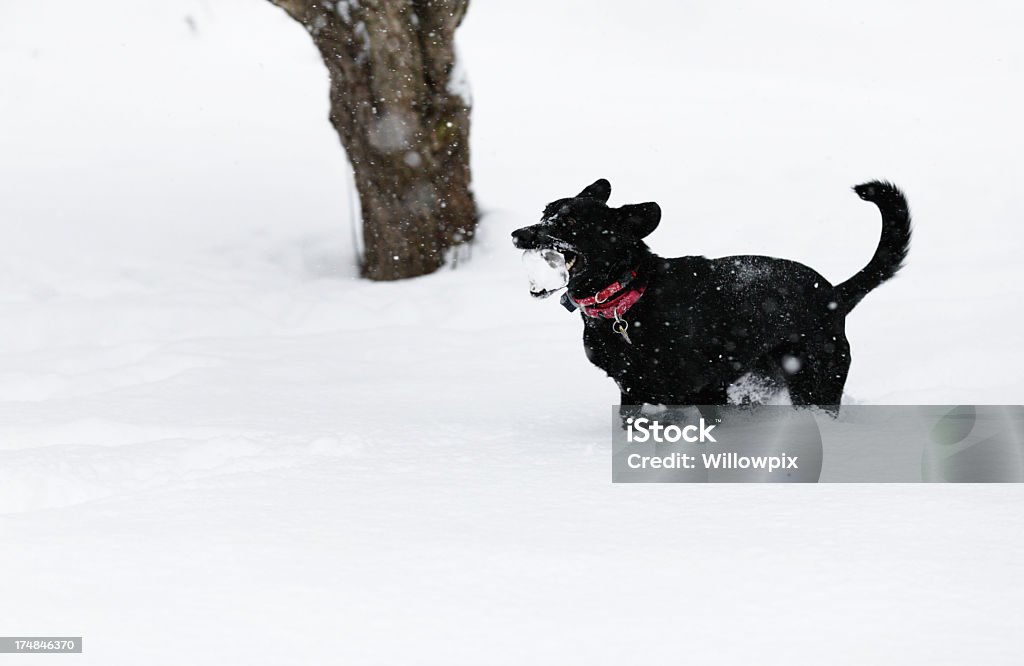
column 548, row 270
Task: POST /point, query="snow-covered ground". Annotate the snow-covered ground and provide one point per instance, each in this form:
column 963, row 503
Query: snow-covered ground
column 219, row 447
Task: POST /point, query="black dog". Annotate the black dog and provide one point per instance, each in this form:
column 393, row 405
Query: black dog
column 681, row 331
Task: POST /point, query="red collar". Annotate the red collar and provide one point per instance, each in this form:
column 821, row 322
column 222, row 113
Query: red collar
column 613, row 301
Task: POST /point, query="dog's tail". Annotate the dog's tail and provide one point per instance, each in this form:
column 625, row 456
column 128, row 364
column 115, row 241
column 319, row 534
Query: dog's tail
column 892, row 248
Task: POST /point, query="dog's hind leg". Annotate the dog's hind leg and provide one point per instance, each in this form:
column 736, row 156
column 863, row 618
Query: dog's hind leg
column 815, row 372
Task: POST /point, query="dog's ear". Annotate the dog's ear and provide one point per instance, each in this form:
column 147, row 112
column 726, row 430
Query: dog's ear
column 600, row 189
column 642, row 219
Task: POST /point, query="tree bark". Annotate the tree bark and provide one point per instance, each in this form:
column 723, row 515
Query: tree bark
column 397, row 107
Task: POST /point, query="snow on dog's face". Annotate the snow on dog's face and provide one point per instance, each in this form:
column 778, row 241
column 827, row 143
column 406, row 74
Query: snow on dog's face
column 597, row 244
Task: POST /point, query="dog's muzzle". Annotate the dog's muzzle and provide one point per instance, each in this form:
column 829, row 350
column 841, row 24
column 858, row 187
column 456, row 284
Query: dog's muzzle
column 526, row 238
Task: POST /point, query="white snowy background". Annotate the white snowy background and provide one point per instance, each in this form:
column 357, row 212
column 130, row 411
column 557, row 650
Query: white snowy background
column 217, row 446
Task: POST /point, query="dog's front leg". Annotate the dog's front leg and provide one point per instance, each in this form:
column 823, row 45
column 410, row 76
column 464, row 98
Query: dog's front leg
column 629, row 408
column 710, row 400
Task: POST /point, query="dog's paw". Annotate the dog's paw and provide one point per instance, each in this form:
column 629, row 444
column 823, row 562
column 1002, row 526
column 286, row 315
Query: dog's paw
column 627, row 414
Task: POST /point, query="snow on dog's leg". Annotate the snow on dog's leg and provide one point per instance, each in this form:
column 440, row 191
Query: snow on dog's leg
column 755, row 388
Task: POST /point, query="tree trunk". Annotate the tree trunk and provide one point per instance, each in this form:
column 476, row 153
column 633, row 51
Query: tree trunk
column 396, row 103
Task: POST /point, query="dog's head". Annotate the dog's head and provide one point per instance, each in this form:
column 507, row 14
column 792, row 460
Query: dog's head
column 599, row 243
